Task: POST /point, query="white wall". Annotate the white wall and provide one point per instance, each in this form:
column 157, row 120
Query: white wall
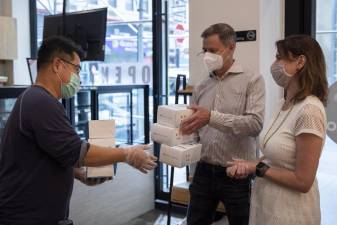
column 264, row 16
column 5, row 8
column 204, row 13
column 20, row 11
column 271, row 30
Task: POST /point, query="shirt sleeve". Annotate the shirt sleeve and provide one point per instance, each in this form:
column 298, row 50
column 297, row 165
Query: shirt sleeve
column 251, row 122
column 84, row 150
column 310, row 120
column 193, row 99
column 54, row 134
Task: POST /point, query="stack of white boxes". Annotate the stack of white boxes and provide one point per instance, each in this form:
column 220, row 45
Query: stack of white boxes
column 176, row 149
column 101, row 133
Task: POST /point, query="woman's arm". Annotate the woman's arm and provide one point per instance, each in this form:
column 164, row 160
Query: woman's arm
column 308, row 151
column 240, row 169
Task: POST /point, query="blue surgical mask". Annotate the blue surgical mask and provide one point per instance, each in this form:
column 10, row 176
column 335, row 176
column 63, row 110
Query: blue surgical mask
column 70, row 89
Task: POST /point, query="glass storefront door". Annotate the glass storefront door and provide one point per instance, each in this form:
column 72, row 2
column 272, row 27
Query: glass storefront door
column 326, row 35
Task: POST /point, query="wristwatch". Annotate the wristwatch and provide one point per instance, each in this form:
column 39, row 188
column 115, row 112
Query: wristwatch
column 261, row 169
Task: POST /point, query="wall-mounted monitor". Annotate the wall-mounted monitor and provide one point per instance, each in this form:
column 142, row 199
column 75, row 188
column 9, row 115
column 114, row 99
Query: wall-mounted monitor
column 86, row 28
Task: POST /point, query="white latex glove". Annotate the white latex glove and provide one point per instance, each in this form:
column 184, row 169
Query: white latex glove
column 140, row 159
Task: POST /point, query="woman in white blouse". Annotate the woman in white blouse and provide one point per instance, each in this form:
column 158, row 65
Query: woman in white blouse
column 285, row 191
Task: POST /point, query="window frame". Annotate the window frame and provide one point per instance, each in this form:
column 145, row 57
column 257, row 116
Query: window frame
column 300, row 17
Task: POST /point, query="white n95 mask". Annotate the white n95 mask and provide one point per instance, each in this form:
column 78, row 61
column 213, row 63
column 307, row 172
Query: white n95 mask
column 213, row 61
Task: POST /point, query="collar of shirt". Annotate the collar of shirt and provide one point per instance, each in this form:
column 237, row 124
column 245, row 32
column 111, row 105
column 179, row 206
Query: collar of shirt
column 236, row 68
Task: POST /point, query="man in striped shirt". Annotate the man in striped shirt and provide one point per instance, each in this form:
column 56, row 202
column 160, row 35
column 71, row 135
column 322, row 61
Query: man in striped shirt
column 229, row 111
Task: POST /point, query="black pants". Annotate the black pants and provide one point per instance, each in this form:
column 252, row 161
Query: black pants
column 211, row 185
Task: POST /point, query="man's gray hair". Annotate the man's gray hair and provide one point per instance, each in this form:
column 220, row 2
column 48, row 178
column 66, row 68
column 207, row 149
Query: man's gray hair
column 225, row 32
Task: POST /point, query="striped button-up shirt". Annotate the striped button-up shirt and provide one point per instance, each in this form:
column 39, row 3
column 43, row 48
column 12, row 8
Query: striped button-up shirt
column 237, row 102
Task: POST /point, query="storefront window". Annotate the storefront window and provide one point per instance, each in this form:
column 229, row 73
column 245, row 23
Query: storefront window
column 113, row 3
column 128, row 48
column 178, row 63
column 326, row 35
column 129, row 5
column 178, row 43
column 128, row 60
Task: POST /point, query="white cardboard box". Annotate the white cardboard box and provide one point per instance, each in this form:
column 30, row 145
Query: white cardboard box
column 101, row 129
column 101, row 171
column 105, row 142
column 169, row 136
column 180, row 155
column 172, row 115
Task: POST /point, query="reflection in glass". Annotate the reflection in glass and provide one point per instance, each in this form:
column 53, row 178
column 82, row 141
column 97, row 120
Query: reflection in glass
column 138, row 119
column 82, row 112
column 6, row 106
column 117, row 106
column 127, row 109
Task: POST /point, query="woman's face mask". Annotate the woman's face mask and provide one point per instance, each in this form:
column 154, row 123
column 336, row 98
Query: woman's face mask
column 280, row 75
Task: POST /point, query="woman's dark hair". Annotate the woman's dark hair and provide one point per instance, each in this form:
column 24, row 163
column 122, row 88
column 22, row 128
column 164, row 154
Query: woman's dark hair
column 312, row 77
column 57, row 46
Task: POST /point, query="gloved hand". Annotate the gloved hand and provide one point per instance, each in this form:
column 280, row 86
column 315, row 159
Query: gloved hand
column 80, row 174
column 140, row 159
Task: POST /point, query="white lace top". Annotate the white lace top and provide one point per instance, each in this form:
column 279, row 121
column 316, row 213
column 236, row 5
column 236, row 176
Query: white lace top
column 272, row 204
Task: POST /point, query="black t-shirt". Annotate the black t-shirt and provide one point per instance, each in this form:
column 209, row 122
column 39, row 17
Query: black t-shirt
column 38, row 152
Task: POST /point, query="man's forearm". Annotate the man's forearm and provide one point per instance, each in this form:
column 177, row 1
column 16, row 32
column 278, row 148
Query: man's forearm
column 102, row 156
column 249, row 125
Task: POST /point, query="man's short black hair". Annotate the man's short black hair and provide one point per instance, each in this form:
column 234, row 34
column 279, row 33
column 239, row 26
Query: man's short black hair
column 57, row 46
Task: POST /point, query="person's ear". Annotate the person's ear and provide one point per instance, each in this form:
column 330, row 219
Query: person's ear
column 301, row 62
column 232, row 46
column 56, row 65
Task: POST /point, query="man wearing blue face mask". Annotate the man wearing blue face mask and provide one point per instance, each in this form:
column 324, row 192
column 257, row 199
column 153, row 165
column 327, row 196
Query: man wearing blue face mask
column 229, row 112
column 40, row 149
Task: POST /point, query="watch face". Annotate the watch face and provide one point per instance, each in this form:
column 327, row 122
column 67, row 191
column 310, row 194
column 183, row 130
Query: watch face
column 261, row 169
column 260, row 165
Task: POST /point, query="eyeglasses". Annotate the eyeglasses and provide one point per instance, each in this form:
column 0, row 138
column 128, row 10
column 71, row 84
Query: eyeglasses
column 77, row 67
